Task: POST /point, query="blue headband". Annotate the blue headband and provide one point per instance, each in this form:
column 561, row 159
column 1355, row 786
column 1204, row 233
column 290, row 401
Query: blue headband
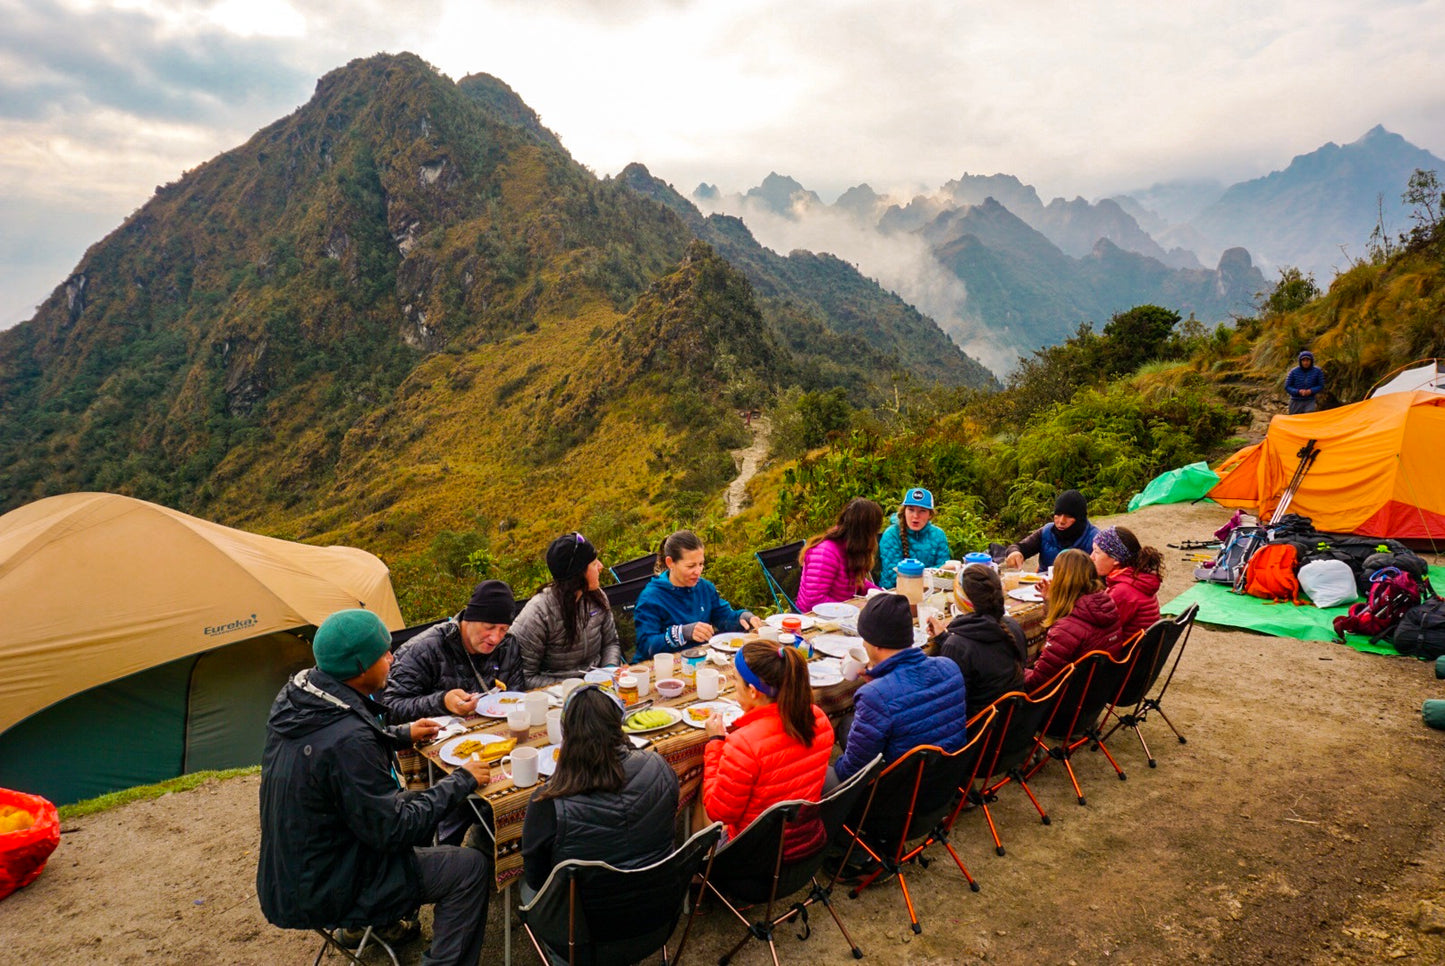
column 751, row 677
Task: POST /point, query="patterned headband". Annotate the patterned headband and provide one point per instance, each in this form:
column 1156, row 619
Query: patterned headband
column 1109, row 542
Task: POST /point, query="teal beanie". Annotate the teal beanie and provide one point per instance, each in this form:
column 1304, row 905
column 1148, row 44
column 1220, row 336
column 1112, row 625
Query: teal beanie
column 350, row 641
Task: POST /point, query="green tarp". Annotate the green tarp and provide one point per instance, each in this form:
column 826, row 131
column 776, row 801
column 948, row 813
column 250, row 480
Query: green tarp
column 1219, row 605
column 1176, row 486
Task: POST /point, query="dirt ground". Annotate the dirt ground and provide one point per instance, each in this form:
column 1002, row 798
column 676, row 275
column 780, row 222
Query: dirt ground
column 1303, row 822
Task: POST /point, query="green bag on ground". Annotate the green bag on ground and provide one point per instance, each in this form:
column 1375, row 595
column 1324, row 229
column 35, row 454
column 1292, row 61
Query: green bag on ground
column 1434, row 712
column 1440, row 667
column 1176, row 486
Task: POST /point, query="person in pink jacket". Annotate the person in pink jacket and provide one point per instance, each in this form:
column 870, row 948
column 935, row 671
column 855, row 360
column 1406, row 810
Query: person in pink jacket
column 837, row 564
column 776, row 752
column 1133, row 573
column 1080, row 616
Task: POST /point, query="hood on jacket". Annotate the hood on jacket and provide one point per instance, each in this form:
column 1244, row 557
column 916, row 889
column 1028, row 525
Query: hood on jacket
column 662, row 582
column 1096, row 609
column 1147, row 584
column 297, row 712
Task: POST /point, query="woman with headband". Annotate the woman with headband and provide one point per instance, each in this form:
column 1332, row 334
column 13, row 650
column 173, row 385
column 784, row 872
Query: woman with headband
column 777, row 751
column 1133, row 574
column 607, row 801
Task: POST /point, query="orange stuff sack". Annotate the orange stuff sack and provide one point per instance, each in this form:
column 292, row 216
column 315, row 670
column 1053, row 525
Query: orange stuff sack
column 35, row 832
column 1270, row 573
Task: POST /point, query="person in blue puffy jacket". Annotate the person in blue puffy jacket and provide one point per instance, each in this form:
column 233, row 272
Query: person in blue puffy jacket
column 910, row 699
column 1304, row 384
column 911, row 533
column 679, row 609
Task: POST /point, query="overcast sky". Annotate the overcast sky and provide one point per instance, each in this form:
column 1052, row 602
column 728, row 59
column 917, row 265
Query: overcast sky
column 102, row 101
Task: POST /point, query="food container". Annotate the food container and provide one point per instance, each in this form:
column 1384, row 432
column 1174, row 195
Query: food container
column 627, row 689
column 671, row 687
column 694, row 656
column 793, row 625
column 977, row 557
column 910, row 579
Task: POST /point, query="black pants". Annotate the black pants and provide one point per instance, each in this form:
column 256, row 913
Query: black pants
column 459, row 882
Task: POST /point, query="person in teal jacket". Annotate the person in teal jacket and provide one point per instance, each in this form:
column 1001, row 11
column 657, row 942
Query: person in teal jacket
column 678, row 609
column 911, row 534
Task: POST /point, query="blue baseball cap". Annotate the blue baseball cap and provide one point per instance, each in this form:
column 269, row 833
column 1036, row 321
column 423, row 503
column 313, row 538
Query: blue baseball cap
column 919, row 497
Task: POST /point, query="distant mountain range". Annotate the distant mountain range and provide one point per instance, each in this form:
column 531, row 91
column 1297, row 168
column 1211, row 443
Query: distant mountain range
column 1004, row 273
column 404, row 306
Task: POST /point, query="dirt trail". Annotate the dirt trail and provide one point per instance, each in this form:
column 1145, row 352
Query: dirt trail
column 749, row 459
column 1303, row 822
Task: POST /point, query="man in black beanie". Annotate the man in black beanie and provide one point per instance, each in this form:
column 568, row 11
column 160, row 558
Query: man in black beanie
column 910, row 699
column 1070, row 529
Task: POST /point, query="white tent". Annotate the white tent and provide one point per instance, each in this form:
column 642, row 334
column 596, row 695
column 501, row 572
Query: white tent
column 1428, row 375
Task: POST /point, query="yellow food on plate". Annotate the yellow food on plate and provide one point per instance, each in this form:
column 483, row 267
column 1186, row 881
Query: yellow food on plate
column 556, row 753
column 647, row 720
column 491, row 751
column 509, row 700
column 699, row 714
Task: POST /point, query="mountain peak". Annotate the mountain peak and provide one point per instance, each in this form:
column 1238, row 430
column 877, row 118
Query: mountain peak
column 506, row 106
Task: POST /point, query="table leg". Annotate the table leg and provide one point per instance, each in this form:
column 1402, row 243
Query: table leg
column 507, row 925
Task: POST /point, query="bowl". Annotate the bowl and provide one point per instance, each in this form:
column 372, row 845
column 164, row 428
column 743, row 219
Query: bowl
column 670, row 687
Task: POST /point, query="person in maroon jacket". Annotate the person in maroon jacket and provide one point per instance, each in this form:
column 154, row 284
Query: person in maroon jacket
column 1133, row 573
column 1080, row 617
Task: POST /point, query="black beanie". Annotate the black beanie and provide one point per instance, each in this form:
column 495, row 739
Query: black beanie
column 492, row 603
column 569, row 555
column 886, row 622
column 1071, row 503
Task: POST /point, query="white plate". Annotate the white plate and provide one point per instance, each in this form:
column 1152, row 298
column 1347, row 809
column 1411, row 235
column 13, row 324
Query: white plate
column 1027, row 594
column 729, row 711
column 597, row 676
column 823, row 673
column 674, row 714
column 836, row 611
column 445, row 751
column 835, row 645
column 920, row 637
column 497, row 705
column 727, row 641
column 1031, row 578
column 777, row 620
column 546, row 760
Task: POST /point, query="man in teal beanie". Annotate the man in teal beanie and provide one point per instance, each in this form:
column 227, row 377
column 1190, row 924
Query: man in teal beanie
column 342, row 843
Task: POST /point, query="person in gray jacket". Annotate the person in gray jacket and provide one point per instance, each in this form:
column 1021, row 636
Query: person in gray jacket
column 567, row 628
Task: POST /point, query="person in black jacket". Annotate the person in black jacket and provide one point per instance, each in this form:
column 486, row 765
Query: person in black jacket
column 989, row 647
column 342, row 844
column 447, row 667
column 606, row 802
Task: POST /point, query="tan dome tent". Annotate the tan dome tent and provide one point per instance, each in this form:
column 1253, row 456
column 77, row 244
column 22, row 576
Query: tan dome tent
column 138, row 643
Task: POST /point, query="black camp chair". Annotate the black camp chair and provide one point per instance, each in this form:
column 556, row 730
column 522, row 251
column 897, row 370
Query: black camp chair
column 1087, row 692
column 622, row 599
column 778, row 854
column 907, row 802
column 369, row 940
column 596, row 915
column 1176, row 637
column 398, row 638
column 782, row 569
column 634, row 568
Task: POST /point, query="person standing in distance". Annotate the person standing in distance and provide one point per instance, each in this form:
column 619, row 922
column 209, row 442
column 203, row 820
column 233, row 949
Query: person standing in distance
column 1304, row 384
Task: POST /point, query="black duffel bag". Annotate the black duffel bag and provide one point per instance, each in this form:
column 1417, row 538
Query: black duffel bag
column 1421, row 632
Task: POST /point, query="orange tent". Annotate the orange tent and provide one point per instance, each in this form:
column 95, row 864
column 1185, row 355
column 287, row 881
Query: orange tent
column 1378, row 473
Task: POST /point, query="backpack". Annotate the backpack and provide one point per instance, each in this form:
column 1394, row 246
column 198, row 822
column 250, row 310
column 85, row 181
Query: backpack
column 1232, row 556
column 1421, row 631
column 1392, row 593
column 1270, row 573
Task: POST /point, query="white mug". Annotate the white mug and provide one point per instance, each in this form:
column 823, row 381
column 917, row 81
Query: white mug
column 663, row 664
column 569, row 685
column 521, row 766
column 855, row 663
column 644, row 685
column 709, row 679
column 768, row 633
column 537, row 703
column 554, row 726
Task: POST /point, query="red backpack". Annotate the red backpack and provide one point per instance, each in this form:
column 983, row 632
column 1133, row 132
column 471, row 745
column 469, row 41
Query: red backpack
column 1270, row 573
column 1393, row 592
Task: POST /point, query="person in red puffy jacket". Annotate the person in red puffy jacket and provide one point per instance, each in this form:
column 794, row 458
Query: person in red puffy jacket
column 777, row 751
column 1133, row 573
column 1080, row 616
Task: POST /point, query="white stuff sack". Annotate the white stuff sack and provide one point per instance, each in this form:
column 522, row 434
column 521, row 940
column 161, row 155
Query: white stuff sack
column 1328, row 583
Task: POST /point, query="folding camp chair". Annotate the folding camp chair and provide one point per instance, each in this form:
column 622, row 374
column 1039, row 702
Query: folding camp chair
column 398, row 638
column 1175, row 640
column 598, row 915
column 907, row 801
column 780, row 853
column 632, row 569
column 782, row 569
column 1089, row 690
column 368, row 939
column 983, row 728
column 622, row 599
column 1149, row 655
column 1020, row 718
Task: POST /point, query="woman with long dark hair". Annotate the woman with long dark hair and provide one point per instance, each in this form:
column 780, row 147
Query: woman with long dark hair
column 988, row 646
column 1080, row 617
column 777, row 751
column 679, row 608
column 567, row 628
column 1133, row 573
column 837, row 563
column 607, row 801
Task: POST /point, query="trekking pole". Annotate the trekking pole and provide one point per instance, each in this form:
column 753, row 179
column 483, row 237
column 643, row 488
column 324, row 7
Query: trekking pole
column 1307, row 457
